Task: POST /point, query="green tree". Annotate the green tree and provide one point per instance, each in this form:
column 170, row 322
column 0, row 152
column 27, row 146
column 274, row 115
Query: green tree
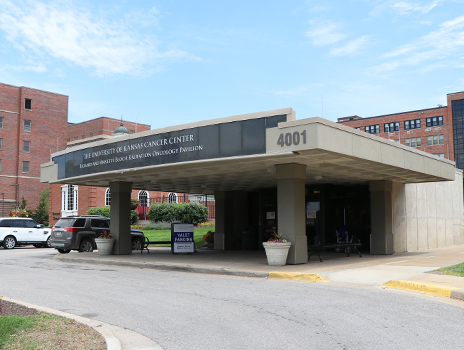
column 41, row 211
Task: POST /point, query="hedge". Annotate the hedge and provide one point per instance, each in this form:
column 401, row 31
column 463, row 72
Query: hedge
column 182, row 212
column 106, row 212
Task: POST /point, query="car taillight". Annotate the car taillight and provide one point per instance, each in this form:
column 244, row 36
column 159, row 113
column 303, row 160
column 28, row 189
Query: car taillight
column 71, row 229
column 53, row 228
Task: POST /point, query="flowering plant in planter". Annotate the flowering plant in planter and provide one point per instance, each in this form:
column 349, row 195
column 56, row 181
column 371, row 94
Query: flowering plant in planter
column 276, row 238
column 18, row 214
column 134, row 203
column 105, row 235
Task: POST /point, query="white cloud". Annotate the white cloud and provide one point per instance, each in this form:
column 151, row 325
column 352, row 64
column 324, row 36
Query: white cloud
column 72, row 34
column 324, row 33
column 406, row 8
column 37, row 68
column 351, row 48
column 444, row 43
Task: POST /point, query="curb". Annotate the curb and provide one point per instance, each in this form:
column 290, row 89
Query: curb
column 112, row 342
column 447, row 292
column 314, row 277
column 214, row 271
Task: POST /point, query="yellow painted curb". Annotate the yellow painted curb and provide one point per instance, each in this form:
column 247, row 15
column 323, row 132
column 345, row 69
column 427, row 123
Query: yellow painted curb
column 420, row 287
column 315, row 277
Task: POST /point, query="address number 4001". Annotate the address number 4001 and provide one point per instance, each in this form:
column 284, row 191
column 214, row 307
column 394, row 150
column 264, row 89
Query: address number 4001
column 289, row 139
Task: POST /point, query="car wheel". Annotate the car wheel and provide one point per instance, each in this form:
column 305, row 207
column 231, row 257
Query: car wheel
column 63, row 251
column 9, row 242
column 136, row 244
column 86, row 246
column 48, row 243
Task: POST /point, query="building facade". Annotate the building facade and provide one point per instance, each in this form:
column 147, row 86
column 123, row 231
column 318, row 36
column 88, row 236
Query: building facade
column 270, row 172
column 32, row 126
column 436, row 130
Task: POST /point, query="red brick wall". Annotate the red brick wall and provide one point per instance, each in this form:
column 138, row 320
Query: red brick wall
column 48, row 116
column 101, row 126
column 446, row 129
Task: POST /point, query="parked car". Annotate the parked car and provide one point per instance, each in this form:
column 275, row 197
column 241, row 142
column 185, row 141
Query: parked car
column 79, row 233
column 15, row 231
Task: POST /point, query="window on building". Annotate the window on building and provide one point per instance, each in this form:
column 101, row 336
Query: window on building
column 358, row 128
column 107, row 197
column 412, row 124
column 434, row 121
column 1, row 144
column 27, row 146
column 442, row 155
column 69, row 196
column 413, row 142
column 1, row 122
column 25, row 167
column 172, row 197
column 0, row 165
column 143, row 198
column 27, row 125
column 372, row 129
column 390, row 127
column 27, row 103
column 435, row 140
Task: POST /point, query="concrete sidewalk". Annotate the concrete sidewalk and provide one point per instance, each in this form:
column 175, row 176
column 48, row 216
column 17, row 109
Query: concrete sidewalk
column 401, row 270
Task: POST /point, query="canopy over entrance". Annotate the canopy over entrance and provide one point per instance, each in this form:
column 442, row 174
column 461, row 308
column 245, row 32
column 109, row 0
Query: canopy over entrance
column 248, row 152
column 238, row 153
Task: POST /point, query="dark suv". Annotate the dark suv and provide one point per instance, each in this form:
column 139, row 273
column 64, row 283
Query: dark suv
column 79, row 233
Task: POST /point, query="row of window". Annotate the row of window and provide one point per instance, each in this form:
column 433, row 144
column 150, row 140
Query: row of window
column 24, row 168
column 143, row 198
column 70, row 195
column 408, row 124
column 431, row 141
column 26, row 146
column 27, row 125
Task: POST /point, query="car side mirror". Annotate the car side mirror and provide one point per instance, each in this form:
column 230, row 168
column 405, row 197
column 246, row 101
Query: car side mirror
column 40, row 226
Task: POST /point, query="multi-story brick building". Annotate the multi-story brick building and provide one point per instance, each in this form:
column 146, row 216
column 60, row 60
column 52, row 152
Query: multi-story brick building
column 436, row 130
column 32, row 125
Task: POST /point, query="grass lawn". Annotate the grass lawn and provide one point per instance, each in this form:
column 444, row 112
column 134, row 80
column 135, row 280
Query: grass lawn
column 456, row 270
column 47, row 332
column 165, row 235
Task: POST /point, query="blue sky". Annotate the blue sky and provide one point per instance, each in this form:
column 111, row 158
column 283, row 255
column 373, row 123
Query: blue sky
column 167, row 62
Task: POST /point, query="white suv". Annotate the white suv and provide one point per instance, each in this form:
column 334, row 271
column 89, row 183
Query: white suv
column 19, row 231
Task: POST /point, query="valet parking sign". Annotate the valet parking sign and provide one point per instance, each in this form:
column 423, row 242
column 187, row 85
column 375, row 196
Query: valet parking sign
column 182, row 238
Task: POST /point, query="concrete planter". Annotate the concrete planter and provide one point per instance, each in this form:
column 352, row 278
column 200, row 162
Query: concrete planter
column 276, row 253
column 104, row 245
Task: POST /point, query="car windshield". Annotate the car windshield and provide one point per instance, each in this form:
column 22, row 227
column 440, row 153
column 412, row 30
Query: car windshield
column 65, row 222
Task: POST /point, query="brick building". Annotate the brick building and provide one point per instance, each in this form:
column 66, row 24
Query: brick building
column 68, row 199
column 32, row 126
column 436, row 130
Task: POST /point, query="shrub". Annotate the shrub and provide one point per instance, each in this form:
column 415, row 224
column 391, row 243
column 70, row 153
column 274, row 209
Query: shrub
column 134, row 217
column 106, row 212
column 193, row 212
column 163, row 212
column 162, row 225
column 148, row 227
column 41, row 211
column 209, row 237
column 102, row 211
column 182, row 212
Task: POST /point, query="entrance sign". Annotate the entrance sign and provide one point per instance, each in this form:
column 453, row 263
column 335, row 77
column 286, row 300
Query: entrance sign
column 228, row 139
column 182, row 238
